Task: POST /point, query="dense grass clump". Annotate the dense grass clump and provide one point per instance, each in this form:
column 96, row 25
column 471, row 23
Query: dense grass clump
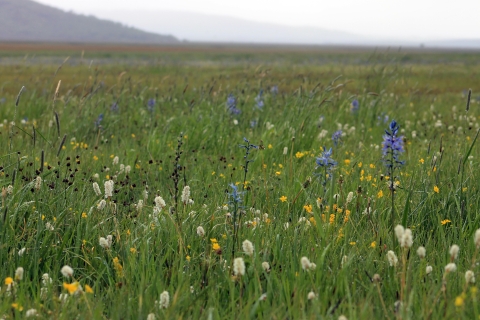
column 229, row 185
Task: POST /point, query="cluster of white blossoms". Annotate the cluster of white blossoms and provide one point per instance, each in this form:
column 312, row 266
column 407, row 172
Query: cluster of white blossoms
column 307, row 265
column 106, row 243
column 186, row 196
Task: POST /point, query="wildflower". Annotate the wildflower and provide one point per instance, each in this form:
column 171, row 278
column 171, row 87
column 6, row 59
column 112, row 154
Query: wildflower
column 336, row 137
column 232, row 105
column 354, row 106
column 151, row 316
column 38, row 183
column 235, row 195
column 259, row 100
column 436, row 189
column 200, row 231
column 421, row 252
column 265, row 266
column 21, row 252
column 247, row 247
column 477, row 238
column 392, row 258
column 469, row 277
column 67, row 271
column 88, row 289
column 238, row 267
column 311, row 295
column 164, row 300
column 451, row 267
column 407, row 239
column 115, row 160
column 308, row 208
column 454, row 249
column 428, row 269
column 342, row 317
column 109, row 188
column 19, row 273
column 380, row 194
column 114, row 107
column 392, row 147
column 160, row 203
column 128, row 169
column 151, row 104
column 118, row 267
column 96, row 188
column 459, row 300
column 186, row 195
column 72, row 287
column 444, row 222
column 31, row 313
column 306, row 264
column 283, row 199
column 325, row 159
column 285, row 151
column 101, row 205
column 373, row 244
column 215, row 246
column 104, row 243
column 349, row 197
column 46, row 280
column 399, row 231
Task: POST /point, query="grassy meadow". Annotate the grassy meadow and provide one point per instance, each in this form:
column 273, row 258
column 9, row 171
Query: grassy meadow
column 197, row 183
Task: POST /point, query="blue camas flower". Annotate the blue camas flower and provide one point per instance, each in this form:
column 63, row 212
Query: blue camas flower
column 232, row 104
column 392, row 147
column 337, row 135
column 325, row 159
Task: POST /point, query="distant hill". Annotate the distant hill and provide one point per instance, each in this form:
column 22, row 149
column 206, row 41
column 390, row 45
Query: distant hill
column 25, row 20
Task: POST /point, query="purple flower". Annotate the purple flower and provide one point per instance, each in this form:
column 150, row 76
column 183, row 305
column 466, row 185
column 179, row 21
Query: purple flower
column 259, row 100
column 337, row 135
column 354, row 106
column 151, row 104
column 98, row 121
column 232, row 104
column 325, row 159
column 392, row 147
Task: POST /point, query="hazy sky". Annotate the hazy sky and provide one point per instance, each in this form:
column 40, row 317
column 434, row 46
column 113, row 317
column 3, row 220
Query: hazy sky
column 405, row 19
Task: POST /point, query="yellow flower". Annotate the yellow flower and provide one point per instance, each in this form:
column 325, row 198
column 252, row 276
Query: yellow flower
column 213, row 240
column 95, row 158
column 118, row 267
column 71, row 287
column 380, row 194
column 444, row 222
column 283, row 198
column 308, row 208
column 346, row 161
column 188, row 258
column 84, row 215
column 299, row 154
column 270, row 146
column 421, row 161
column 372, row 166
column 133, row 135
column 360, row 164
column 88, row 289
column 373, row 244
column 312, row 221
column 133, row 250
column 8, row 281
column 352, row 243
column 459, row 300
column 17, row 306
column 436, row 189
column 278, row 173
column 216, row 246
column 332, row 219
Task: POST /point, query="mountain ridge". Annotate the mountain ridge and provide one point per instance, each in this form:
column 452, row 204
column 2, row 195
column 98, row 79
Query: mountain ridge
column 27, row 21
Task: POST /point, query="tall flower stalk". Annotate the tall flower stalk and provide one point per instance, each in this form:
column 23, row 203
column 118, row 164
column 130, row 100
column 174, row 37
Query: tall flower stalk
column 392, row 148
column 326, row 163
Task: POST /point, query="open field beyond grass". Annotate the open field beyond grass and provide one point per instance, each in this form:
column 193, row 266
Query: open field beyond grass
column 216, row 182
